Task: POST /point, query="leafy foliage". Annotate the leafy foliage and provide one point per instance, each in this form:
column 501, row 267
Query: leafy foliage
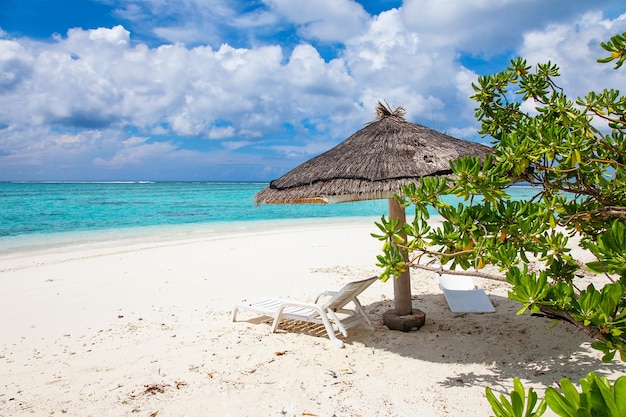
column 520, row 405
column 616, row 47
column 574, row 154
column 597, row 398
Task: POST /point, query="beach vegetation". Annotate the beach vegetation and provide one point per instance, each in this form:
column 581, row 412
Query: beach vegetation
column 572, row 152
column 597, row 398
column 520, row 403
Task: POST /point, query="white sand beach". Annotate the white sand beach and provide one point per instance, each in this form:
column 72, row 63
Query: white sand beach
column 141, row 327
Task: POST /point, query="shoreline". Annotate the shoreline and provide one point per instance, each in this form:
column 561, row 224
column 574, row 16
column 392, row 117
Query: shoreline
column 144, row 328
column 31, row 244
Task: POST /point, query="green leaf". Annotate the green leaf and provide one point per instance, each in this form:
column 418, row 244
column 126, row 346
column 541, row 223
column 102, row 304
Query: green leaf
column 609, row 353
column 496, row 406
column 619, row 388
column 570, row 392
column 604, row 398
column 559, row 403
column 517, row 403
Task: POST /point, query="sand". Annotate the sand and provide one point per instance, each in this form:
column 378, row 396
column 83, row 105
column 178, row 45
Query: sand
column 140, row 326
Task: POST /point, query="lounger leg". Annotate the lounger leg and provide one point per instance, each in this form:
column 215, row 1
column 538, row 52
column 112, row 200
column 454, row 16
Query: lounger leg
column 360, row 310
column 234, row 315
column 329, row 327
column 338, row 323
column 330, row 330
column 277, row 319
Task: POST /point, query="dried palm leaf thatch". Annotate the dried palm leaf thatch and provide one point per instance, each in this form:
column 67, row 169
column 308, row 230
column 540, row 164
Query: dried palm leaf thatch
column 373, row 163
column 383, row 110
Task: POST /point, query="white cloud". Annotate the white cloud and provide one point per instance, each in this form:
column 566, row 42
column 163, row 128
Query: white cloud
column 397, row 65
column 485, row 27
column 575, row 48
column 221, row 133
column 15, row 64
column 116, row 35
column 91, row 99
column 326, row 20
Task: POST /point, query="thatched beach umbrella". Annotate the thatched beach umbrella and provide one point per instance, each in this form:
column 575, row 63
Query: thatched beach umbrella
column 373, row 163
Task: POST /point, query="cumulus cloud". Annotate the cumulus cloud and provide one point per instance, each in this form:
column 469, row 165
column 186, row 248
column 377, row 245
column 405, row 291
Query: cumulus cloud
column 484, row 27
column 575, row 49
column 397, row 65
column 326, row 20
column 111, row 103
column 15, row 64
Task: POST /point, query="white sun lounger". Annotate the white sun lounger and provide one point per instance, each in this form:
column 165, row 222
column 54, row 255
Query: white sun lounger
column 328, row 309
column 463, row 296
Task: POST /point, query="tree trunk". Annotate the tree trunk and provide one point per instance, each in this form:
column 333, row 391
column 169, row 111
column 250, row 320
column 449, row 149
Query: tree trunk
column 401, row 283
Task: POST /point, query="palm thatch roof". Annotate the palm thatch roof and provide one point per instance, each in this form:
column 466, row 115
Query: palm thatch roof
column 373, row 163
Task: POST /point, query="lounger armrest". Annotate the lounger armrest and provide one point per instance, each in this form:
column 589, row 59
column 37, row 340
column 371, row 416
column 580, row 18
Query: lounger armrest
column 324, row 294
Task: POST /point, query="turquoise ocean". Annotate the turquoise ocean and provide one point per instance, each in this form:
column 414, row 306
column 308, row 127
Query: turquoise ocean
column 45, row 214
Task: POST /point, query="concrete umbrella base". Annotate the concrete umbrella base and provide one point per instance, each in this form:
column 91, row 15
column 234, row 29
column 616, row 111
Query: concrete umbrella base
column 412, row 321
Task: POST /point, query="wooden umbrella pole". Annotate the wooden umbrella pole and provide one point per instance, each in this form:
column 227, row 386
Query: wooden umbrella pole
column 401, row 283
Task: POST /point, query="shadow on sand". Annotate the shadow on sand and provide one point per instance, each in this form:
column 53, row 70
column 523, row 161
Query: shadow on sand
column 531, row 348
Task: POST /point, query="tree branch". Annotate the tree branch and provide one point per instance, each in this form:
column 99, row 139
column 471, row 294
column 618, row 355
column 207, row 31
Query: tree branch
column 440, row 270
column 551, row 313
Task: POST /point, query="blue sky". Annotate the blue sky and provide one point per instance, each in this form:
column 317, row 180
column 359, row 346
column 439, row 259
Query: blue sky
column 229, row 90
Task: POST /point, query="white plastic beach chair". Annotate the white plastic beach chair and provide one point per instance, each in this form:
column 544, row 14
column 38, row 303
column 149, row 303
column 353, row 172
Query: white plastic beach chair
column 331, row 312
column 463, row 296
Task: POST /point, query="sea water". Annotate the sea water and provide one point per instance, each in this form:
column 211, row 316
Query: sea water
column 53, row 212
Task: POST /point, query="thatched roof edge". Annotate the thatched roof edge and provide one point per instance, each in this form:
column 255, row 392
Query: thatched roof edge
column 375, row 161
